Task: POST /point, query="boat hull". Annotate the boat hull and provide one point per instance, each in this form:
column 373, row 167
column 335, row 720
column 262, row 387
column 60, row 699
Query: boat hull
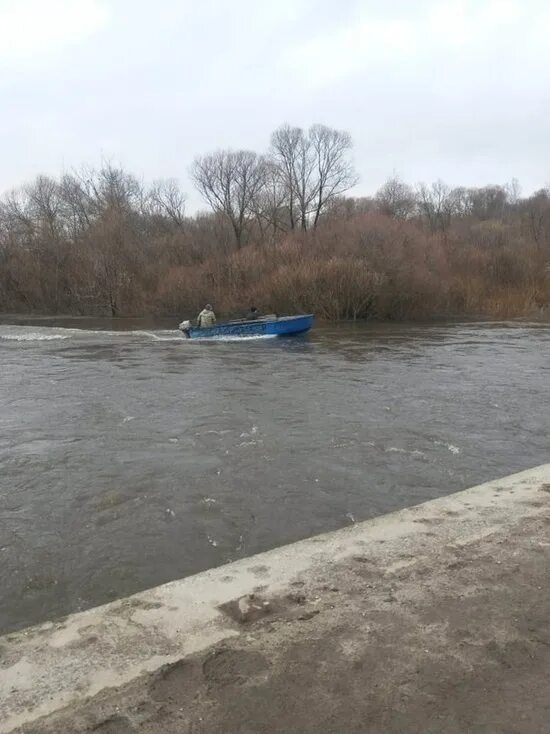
column 283, row 326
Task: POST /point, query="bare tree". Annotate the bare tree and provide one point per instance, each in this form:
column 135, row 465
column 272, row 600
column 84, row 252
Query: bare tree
column 437, row 203
column 231, row 181
column 342, row 207
column 166, row 199
column 47, row 211
column 46, row 207
column 489, row 202
column 536, row 212
column 513, row 191
column 270, row 205
column 396, row 198
column 335, row 172
column 17, row 217
column 78, row 204
column 288, row 150
column 109, row 188
column 314, row 168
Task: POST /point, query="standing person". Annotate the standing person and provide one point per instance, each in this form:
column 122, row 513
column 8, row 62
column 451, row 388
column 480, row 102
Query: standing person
column 206, row 318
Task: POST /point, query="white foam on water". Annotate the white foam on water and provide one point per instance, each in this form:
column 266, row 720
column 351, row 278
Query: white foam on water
column 203, row 340
column 12, row 333
column 449, row 446
column 18, row 333
column 253, row 432
column 398, row 450
column 33, row 337
column 161, row 336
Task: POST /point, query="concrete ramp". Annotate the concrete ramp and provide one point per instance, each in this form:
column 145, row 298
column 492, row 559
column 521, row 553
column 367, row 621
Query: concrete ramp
column 364, row 622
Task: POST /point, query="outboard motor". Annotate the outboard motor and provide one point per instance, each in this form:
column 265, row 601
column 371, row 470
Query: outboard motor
column 185, row 327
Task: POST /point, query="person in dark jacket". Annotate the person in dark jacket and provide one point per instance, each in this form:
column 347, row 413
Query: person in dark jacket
column 252, row 314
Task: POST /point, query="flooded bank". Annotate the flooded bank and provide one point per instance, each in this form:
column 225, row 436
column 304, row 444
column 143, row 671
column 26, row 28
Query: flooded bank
column 129, row 457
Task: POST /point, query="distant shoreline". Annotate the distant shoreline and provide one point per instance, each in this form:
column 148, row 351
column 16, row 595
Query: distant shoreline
column 530, row 317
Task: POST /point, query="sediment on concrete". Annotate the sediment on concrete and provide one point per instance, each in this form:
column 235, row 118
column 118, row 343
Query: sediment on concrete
column 431, row 619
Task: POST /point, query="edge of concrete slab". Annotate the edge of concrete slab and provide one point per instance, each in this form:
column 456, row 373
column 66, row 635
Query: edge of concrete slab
column 51, row 666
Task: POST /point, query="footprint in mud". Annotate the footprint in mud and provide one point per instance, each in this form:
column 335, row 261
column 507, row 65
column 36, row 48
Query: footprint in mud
column 297, row 598
column 428, row 520
column 176, row 681
column 457, row 565
column 233, row 667
column 365, row 567
column 246, row 609
column 113, row 725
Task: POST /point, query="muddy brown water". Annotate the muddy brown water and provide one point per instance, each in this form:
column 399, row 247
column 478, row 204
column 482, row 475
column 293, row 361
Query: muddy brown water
column 129, row 457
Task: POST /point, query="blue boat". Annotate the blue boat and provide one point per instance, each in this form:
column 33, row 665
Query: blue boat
column 263, row 326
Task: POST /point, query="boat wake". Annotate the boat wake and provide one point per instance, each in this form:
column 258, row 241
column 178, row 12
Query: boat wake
column 46, row 333
column 32, row 337
column 16, row 333
column 204, row 340
column 161, row 336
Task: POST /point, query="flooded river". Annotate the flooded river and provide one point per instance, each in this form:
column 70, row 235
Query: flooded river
column 129, row 457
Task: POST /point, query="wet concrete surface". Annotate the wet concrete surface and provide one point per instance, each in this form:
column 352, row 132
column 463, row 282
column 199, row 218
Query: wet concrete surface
column 433, row 620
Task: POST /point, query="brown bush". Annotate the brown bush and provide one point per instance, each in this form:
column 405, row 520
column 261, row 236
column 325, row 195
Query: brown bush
column 66, row 249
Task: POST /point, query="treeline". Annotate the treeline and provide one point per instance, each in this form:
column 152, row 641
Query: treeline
column 281, row 233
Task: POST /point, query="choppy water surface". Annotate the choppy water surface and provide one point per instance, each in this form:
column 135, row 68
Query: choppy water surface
column 129, row 457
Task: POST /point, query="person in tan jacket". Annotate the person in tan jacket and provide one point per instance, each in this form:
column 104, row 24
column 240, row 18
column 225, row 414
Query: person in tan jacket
column 206, row 318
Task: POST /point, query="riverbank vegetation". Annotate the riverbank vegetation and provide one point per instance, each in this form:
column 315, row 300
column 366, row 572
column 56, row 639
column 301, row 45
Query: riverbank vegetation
column 281, row 232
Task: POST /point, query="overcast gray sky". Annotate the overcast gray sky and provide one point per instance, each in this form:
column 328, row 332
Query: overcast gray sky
column 453, row 89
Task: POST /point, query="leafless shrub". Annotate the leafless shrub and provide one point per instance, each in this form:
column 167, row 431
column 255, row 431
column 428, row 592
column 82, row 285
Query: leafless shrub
column 282, row 234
